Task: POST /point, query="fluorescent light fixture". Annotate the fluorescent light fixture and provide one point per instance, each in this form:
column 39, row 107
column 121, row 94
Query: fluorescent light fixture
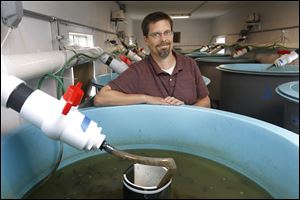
column 180, row 16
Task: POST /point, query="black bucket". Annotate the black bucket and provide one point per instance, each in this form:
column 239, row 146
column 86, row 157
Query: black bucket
column 143, row 182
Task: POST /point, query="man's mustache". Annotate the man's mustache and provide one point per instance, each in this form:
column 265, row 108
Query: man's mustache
column 164, row 43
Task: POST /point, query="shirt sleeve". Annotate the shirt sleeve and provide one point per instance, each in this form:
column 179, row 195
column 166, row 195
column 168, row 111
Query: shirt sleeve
column 126, row 82
column 202, row 90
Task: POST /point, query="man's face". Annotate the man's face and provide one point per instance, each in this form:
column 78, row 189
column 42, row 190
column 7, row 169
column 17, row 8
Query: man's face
column 160, row 38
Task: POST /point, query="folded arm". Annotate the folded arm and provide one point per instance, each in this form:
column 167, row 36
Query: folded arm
column 107, row 96
column 204, row 102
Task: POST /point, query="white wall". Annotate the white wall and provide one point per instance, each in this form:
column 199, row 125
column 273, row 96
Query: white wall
column 92, row 13
column 191, row 38
column 275, row 14
column 34, row 35
column 193, row 32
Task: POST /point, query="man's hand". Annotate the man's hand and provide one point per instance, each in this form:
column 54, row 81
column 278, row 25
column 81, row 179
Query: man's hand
column 163, row 101
column 154, row 100
column 173, row 101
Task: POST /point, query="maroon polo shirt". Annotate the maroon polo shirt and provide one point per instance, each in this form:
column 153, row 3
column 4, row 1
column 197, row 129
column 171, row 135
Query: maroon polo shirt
column 146, row 77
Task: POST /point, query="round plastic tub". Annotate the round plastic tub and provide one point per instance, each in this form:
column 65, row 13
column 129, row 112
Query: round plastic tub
column 290, row 93
column 101, row 80
column 207, row 66
column 249, row 89
column 265, row 153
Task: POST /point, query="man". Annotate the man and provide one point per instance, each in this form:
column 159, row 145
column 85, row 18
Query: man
column 164, row 77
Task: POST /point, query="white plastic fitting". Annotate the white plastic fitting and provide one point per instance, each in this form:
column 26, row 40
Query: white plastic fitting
column 116, row 65
column 286, row 58
column 45, row 112
column 133, row 56
column 241, row 52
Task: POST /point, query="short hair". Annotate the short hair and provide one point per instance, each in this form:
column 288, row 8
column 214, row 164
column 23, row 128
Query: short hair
column 153, row 18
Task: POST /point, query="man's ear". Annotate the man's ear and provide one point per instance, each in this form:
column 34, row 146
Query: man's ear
column 146, row 40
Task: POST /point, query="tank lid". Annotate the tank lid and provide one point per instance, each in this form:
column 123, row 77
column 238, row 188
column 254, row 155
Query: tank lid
column 205, row 55
column 259, row 69
column 224, row 59
column 289, row 91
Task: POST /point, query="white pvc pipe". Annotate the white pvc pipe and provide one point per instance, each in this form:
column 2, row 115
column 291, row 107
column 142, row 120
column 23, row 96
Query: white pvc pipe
column 28, row 66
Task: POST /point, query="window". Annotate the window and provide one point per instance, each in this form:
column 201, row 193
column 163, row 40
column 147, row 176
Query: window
column 221, row 40
column 176, row 38
column 80, row 39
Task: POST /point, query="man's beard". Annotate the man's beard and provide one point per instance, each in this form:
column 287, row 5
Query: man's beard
column 163, row 53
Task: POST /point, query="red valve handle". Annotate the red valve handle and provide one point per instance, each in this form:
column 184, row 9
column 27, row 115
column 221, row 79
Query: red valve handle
column 281, row 52
column 125, row 59
column 73, row 97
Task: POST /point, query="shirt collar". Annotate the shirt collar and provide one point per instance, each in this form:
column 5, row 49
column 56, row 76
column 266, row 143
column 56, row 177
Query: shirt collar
column 158, row 70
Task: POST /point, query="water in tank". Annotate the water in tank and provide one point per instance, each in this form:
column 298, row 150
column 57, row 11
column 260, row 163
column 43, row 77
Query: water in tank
column 101, row 177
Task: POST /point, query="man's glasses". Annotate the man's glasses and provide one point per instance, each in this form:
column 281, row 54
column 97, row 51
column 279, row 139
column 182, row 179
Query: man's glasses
column 157, row 35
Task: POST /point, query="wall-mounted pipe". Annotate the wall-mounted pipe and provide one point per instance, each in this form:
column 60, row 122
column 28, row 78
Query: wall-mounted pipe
column 261, row 31
column 28, row 66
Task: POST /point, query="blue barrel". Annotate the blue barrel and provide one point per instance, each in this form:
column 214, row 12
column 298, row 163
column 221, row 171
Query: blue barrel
column 207, row 66
column 265, row 153
column 249, row 89
column 290, row 93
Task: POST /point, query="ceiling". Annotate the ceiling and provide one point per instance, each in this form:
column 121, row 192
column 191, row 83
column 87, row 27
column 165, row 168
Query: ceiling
column 137, row 10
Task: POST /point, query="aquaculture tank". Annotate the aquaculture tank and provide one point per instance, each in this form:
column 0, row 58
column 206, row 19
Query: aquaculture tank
column 265, row 153
column 249, row 89
column 290, row 94
column 207, row 66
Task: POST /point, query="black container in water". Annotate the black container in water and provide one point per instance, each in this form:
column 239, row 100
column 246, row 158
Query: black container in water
column 143, row 182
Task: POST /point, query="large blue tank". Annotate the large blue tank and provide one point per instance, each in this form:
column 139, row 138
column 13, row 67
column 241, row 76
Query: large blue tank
column 265, row 153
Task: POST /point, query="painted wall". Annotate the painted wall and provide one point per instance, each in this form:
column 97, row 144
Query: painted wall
column 193, row 32
column 275, row 14
column 272, row 15
column 35, row 35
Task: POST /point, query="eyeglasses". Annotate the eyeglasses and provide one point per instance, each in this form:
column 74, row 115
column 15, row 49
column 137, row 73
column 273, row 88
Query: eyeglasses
column 157, row 35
